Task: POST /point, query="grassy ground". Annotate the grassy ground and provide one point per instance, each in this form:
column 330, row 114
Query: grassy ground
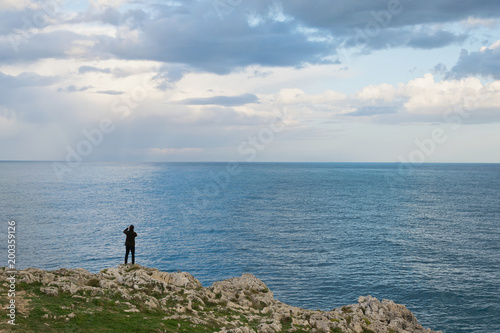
column 38, row 312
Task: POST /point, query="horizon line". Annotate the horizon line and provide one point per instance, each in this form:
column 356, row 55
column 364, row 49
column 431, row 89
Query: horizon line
column 247, row 162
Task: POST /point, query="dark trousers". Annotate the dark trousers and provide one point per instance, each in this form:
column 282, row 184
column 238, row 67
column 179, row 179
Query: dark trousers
column 130, row 249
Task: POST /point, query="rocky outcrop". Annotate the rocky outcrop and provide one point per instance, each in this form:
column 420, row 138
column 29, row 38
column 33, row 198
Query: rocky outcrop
column 238, row 305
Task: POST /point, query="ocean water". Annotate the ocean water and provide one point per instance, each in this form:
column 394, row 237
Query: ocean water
column 318, row 234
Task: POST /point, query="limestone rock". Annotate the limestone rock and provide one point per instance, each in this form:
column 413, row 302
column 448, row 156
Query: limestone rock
column 238, row 305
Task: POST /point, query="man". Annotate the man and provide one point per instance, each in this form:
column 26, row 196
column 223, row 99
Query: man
column 130, row 243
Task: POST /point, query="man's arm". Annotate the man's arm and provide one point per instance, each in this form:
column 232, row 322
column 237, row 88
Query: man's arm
column 125, row 231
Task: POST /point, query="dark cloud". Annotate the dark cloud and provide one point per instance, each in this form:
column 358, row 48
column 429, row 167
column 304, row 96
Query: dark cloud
column 485, row 63
column 222, row 100
column 287, row 33
column 73, row 88
column 215, row 46
column 344, row 16
column 439, row 68
column 112, row 16
column 404, row 37
column 435, row 40
column 224, row 36
column 168, row 75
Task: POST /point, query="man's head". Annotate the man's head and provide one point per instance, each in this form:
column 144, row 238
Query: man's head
column 131, row 228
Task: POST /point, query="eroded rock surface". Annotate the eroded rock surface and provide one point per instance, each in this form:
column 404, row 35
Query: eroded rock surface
column 237, row 305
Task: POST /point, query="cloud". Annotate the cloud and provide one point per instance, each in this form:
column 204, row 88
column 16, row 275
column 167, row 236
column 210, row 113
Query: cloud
column 201, row 36
column 403, row 37
column 421, row 100
column 25, row 79
column 287, row 33
column 435, row 40
column 384, row 92
column 474, row 22
column 112, row 15
column 483, row 62
column 222, row 100
column 342, row 16
column 33, row 46
column 110, row 92
column 17, row 5
column 439, row 69
column 90, row 69
column 372, row 110
column 73, row 88
column 215, row 49
column 221, row 74
column 426, row 100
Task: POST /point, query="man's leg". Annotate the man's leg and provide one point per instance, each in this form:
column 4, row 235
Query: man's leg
column 126, row 254
column 132, row 249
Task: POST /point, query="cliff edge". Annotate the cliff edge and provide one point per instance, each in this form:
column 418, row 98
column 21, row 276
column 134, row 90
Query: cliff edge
column 140, row 299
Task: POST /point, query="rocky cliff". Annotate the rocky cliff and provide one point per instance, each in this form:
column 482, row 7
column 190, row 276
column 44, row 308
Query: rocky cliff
column 139, row 299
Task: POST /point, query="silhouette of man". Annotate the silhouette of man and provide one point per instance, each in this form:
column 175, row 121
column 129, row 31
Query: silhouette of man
column 130, row 243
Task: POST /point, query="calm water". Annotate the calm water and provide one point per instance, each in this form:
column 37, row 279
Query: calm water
column 319, row 235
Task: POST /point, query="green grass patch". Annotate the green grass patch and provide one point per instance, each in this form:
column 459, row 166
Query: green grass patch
column 94, row 282
column 100, row 314
column 346, row 309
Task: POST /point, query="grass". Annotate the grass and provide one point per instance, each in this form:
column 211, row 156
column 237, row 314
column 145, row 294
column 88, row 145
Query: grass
column 93, row 282
column 104, row 314
column 108, row 311
column 346, row 309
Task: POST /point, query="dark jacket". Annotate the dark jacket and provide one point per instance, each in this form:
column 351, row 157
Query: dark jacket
column 131, row 235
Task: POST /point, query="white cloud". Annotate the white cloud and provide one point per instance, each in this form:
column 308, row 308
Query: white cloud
column 107, row 3
column 423, row 96
column 426, row 96
column 384, row 92
column 18, row 5
column 493, row 46
column 480, row 22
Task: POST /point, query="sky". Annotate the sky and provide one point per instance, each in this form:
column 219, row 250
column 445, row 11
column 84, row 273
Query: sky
column 250, row 80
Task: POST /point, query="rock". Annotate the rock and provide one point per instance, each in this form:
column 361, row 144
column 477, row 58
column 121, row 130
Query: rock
column 132, row 310
column 265, row 328
column 230, row 305
column 52, row 291
column 152, row 303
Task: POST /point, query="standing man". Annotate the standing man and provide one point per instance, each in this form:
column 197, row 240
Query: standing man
column 130, row 243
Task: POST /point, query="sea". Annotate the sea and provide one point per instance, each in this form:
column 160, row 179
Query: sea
column 318, row 234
